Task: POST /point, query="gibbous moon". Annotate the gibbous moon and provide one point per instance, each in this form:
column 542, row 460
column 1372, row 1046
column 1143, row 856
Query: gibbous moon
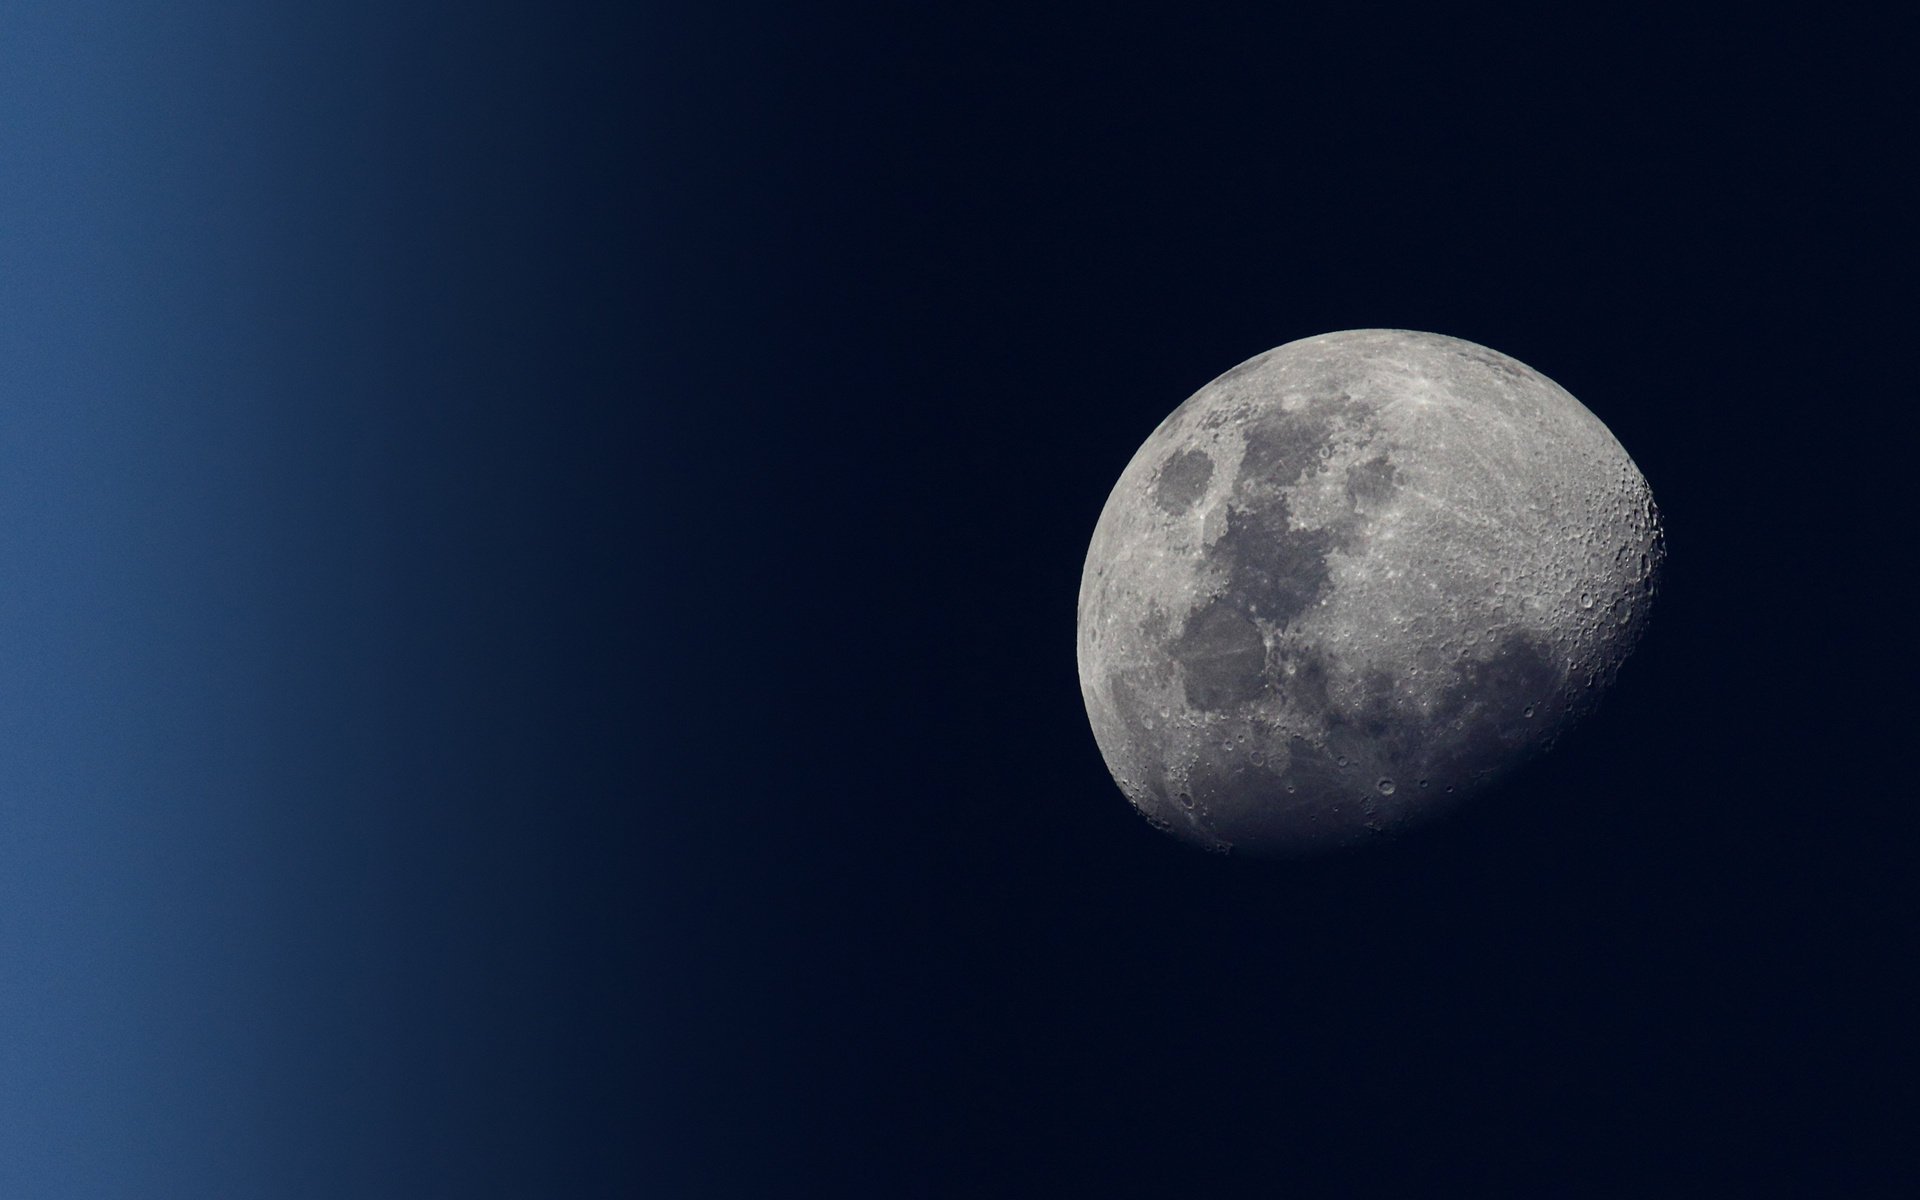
column 1353, row 581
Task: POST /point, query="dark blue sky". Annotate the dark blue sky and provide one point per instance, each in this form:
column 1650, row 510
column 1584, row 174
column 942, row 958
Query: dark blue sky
column 540, row 546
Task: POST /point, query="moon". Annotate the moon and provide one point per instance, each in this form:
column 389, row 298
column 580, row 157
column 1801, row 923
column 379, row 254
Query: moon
column 1353, row 582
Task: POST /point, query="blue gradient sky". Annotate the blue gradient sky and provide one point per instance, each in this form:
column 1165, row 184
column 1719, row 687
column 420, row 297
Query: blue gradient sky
column 147, row 333
column 291, row 584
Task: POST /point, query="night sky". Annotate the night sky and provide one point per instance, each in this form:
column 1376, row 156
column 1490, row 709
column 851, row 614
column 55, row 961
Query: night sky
column 540, row 557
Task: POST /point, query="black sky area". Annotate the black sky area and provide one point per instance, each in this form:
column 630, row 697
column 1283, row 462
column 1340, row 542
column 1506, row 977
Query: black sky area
column 562, row 640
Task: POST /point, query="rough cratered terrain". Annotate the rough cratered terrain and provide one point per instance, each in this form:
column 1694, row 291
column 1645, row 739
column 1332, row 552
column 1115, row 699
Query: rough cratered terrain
column 1350, row 582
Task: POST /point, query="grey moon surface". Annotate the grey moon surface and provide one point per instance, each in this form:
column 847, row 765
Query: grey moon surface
column 1351, row 583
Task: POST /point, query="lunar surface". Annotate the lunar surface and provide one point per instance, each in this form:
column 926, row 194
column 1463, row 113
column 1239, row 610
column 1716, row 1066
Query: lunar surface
column 1352, row 582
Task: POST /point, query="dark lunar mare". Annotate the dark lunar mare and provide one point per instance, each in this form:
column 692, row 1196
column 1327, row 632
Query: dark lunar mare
column 1183, row 480
column 1500, row 711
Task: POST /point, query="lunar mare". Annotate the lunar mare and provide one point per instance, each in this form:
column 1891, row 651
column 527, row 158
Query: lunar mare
column 1353, row 581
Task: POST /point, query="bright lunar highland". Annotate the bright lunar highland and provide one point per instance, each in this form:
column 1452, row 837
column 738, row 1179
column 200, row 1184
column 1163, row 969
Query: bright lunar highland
column 1353, row 581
